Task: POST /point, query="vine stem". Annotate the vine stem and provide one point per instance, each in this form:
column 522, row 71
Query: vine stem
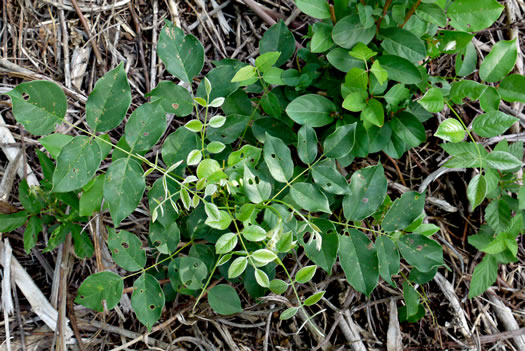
column 144, row 270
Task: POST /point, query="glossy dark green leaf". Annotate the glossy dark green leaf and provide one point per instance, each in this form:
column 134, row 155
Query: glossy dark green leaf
column 278, row 38
column 358, row 257
column 499, row 62
column 314, row 8
column 388, row 258
column 340, row 59
column 340, row 142
column 367, row 192
column 349, row 31
column 433, row 100
column 474, row 15
column 223, row 299
column 373, row 113
column 100, row 290
column 307, row 144
column 330, row 179
column 421, row 252
column 400, row 69
column 182, row 54
column 322, row 38
column 312, row 110
column 126, row 249
column 123, row 188
column 147, row 300
column 492, row 123
column 403, row 43
column 173, row 98
column 403, row 211
column 512, row 88
column 326, row 256
column 38, row 105
column 408, row 128
column 77, row 163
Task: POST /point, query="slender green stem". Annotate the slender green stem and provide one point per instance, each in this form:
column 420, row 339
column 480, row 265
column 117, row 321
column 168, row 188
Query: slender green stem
column 144, row 270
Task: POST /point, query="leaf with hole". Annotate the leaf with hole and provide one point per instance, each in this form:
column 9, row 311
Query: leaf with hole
column 189, row 271
column 38, row 105
column 330, row 179
column 278, row 158
column 100, row 291
column 147, row 300
column 126, row 250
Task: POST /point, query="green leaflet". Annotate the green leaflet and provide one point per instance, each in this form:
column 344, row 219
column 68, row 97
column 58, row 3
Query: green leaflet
column 512, row 88
column 278, row 38
column 308, row 197
column 473, row 15
column 109, row 101
column 182, row 54
column 145, row 126
column 492, row 123
column 223, row 299
column 315, row 8
column 312, row 110
column 126, row 250
column 358, row 257
column 484, row 275
column 421, row 252
column 123, row 188
column 100, row 290
column 173, row 98
column 403, row 43
column 349, row 31
column 388, row 258
column 341, row 142
column 367, row 192
column 499, row 62
column 38, row 105
column 400, row 69
column 77, row 163
column 147, row 300
column 278, row 158
column 403, row 211
column 307, row 144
